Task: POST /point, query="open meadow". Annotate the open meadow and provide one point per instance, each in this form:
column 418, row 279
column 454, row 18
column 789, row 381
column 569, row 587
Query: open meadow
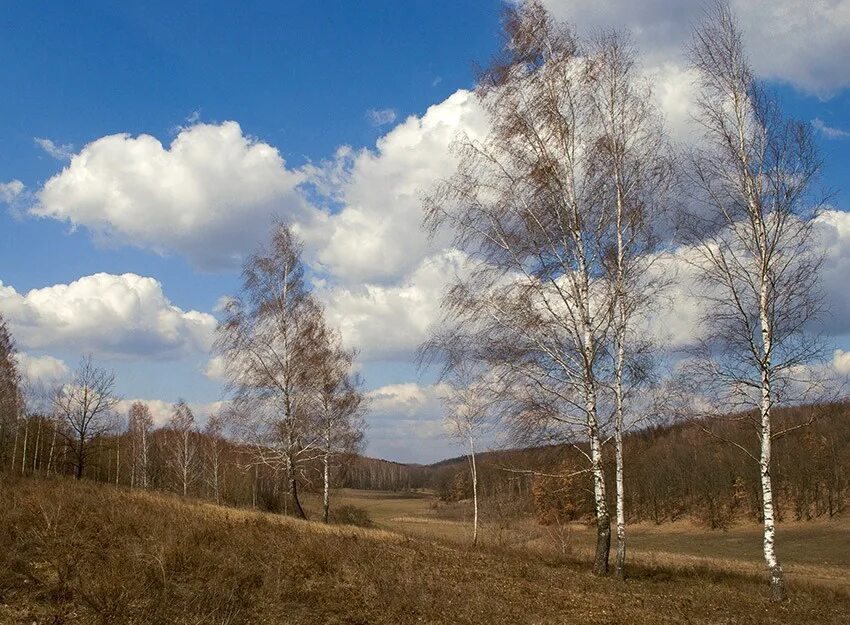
column 815, row 552
column 80, row 552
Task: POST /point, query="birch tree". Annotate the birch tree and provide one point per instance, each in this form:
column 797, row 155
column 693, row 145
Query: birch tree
column 183, row 446
column 85, row 408
column 213, row 454
column 635, row 169
column 140, row 425
column 752, row 246
column 338, row 397
column 524, row 206
column 467, row 407
column 36, row 409
column 263, row 340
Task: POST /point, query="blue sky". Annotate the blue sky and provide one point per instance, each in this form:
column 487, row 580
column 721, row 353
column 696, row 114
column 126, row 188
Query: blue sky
column 301, row 79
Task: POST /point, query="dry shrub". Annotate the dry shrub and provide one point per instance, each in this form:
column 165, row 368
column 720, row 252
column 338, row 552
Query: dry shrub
column 351, row 515
column 560, row 497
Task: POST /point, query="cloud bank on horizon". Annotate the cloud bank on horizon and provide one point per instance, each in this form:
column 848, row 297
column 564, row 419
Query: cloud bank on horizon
column 210, row 195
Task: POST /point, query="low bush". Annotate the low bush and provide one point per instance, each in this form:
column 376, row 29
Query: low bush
column 351, row 515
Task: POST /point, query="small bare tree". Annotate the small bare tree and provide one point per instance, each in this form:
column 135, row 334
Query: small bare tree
column 213, row 452
column 85, row 407
column 338, row 399
column 140, row 423
column 753, row 250
column 468, row 406
column 263, row 339
column 183, row 446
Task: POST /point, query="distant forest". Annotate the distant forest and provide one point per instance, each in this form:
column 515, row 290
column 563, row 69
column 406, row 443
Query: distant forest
column 676, row 471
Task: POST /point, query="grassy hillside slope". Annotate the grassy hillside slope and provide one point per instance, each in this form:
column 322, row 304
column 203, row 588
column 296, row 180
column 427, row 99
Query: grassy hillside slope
column 812, row 552
column 88, row 553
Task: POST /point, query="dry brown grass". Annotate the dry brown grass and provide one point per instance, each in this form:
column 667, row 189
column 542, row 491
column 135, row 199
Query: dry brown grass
column 813, row 552
column 88, row 553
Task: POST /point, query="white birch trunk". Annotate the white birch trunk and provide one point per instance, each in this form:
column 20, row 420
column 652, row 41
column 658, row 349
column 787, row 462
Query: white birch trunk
column 36, row 452
column 216, row 470
column 620, row 568
column 144, row 450
column 24, row 456
column 52, row 448
column 15, row 445
column 619, row 365
column 326, row 496
column 777, row 581
column 474, row 471
column 603, row 520
column 185, row 463
column 326, row 469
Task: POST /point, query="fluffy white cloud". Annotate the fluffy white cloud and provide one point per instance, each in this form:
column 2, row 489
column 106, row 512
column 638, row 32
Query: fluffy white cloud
column 210, row 195
column 675, row 90
column 9, row 191
column 389, row 322
column 833, row 233
column 45, row 370
column 377, row 235
column 216, row 368
column 803, row 43
column 405, row 422
column 118, row 316
column 676, row 321
column 841, row 362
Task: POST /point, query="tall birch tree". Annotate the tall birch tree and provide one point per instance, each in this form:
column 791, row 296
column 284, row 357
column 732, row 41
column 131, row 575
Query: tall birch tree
column 752, row 246
column 338, row 400
column 263, row 341
column 635, row 169
column 214, row 454
column 11, row 398
column 524, row 206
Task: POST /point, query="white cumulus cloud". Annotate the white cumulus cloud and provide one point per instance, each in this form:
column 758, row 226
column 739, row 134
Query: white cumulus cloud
column 802, row 43
column 676, row 321
column 162, row 410
column 115, row 316
column 405, row 422
column 377, row 234
column 45, row 370
column 389, row 322
column 841, row 361
column 9, row 191
column 210, row 195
